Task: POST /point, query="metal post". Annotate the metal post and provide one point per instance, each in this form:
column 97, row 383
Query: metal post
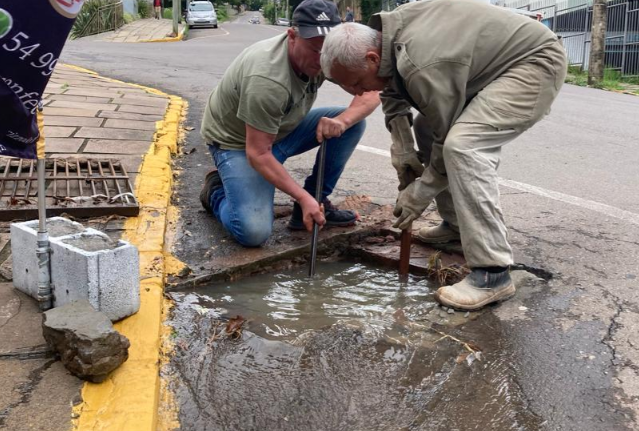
column 176, row 11
column 319, row 183
column 44, row 264
column 404, row 253
column 596, row 64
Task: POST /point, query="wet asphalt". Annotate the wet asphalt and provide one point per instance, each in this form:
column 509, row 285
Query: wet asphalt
column 569, row 346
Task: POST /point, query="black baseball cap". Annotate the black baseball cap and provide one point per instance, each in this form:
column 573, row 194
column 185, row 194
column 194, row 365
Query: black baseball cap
column 315, row 18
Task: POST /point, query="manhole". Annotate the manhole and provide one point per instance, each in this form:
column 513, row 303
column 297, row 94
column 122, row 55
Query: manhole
column 79, row 187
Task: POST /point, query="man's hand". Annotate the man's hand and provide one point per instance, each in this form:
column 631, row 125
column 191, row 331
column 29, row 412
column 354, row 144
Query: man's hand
column 328, row 128
column 312, row 212
column 411, row 203
column 403, row 154
column 408, row 168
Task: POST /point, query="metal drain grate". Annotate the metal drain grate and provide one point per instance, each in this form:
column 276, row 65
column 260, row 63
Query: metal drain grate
column 80, row 187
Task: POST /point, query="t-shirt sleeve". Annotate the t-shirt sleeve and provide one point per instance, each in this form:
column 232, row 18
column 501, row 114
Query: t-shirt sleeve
column 263, row 104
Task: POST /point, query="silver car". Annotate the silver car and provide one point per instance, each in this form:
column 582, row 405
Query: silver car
column 201, row 13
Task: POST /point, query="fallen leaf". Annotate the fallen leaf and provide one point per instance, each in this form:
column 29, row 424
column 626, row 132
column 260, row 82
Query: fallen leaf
column 234, row 326
column 462, row 357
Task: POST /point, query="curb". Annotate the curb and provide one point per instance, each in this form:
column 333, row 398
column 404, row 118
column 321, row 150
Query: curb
column 177, row 38
column 128, row 399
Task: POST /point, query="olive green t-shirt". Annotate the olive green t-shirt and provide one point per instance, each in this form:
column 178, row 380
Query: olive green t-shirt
column 261, row 89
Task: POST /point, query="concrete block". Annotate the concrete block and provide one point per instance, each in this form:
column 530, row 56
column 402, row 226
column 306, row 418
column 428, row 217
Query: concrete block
column 90, row 265
column 85, row 264
column 24, row 242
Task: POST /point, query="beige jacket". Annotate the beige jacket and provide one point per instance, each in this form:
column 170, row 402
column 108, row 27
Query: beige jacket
column 441, row 53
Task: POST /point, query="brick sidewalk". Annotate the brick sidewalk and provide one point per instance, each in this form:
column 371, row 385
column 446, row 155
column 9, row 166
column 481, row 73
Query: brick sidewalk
column 142, row 30
column 85, row 115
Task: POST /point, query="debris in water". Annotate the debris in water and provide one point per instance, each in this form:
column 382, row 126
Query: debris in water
column 445, row 275
column 234, row 327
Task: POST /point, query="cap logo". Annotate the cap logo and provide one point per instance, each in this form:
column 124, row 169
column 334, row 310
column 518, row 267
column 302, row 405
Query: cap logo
column 322, row 17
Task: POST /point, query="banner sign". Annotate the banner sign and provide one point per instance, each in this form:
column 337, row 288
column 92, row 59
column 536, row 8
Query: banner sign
column 32, row 34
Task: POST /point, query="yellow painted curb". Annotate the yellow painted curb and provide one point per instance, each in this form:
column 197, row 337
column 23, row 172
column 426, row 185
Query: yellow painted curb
column 177, row 38
column 128, row 399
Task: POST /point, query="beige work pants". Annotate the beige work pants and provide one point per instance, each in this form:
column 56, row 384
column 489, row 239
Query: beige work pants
column 504, row 109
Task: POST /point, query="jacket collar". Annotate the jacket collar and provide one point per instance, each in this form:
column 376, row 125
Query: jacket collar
column 389, row 23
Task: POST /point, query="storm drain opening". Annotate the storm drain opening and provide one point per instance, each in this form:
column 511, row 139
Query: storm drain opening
column 76, row 186
column 353, row 348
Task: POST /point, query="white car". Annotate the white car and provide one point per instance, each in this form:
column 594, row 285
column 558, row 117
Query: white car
column 201, row 13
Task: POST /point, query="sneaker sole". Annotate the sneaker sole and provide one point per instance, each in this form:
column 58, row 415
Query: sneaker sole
column 504, row 295
column 205, row 190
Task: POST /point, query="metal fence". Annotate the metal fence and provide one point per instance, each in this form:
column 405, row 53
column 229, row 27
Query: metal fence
column 107, row 17
column 572, row 20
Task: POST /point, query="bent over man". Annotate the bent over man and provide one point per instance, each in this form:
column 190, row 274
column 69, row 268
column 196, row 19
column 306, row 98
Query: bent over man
column 260, row 115
column 479, row 76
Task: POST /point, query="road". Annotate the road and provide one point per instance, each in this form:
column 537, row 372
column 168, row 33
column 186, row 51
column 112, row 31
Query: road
column 570, row 199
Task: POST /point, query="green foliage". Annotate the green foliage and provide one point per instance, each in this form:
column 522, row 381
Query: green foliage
column 270, row 13
column 167, row 13
column 145, row 9
column 222, row 14
column 254, row 4
column 612, row 79
column 88, row 21
column 129, row 18
column 370, row 7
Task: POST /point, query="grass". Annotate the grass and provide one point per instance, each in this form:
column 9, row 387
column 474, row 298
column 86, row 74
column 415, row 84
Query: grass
column 612, row 80
column 222, row 14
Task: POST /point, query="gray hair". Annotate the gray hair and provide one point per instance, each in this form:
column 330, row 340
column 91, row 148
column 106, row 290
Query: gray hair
column 347, row 45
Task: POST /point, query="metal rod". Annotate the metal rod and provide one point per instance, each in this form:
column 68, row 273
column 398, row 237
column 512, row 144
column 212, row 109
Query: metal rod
column 404, row 253
column 42, row 251
column 319, row 183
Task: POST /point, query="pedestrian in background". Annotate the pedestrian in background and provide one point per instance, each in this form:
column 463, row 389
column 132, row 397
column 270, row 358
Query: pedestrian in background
column 158, row 8
column 475, row 90
column 349, row 15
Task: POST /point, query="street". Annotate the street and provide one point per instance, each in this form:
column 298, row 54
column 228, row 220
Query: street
column 569, row 195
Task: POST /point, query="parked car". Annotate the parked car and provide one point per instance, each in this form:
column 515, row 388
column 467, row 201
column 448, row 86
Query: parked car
column 201, row 13
column 283, row 21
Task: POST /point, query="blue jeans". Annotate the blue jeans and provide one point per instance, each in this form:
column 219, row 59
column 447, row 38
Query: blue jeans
column 244, row 205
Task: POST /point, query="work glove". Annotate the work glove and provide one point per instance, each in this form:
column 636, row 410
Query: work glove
column 415, row 198
column 403, row 154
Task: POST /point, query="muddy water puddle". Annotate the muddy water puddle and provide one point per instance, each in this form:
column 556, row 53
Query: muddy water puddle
column 352, row 349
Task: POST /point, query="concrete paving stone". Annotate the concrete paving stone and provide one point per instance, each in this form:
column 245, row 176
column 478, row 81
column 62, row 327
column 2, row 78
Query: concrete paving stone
column 131, row 116
column 130, row 162
column 51, row 120
column 130, row 124
column 114, row 134
column 91, row 92
column 12, row 373
column 48, row 390
column 81, row 105
column 130, row 90
column 24, row 327
column 106, row 146
column 144, row 101
column 70, row 112
column 58, row 131
column 63, row 145
column 6, row 269
column 141, row 109
column 55, row 90
column 87, row 99
column 136, row 95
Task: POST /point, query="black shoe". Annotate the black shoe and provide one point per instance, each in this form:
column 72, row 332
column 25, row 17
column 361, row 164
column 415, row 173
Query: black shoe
column 212, row 182
column 334, row 217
